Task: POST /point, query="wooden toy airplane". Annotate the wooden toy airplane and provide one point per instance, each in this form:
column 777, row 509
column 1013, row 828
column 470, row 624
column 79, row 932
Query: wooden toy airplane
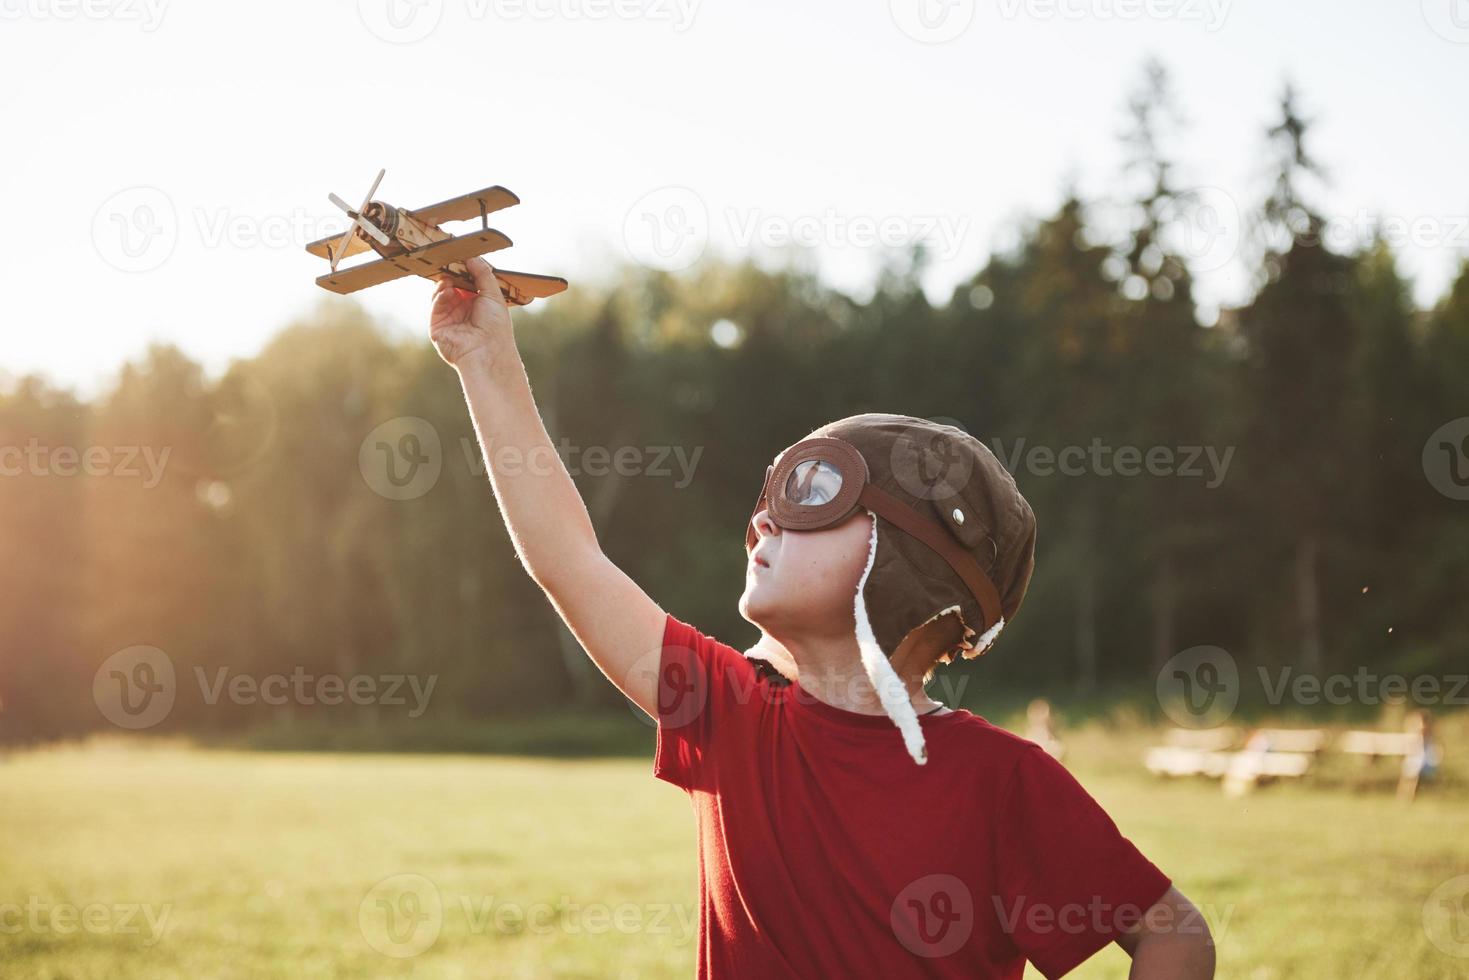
column 412, row 243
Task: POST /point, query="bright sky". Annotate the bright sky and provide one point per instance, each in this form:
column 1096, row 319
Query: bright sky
column 165, row 160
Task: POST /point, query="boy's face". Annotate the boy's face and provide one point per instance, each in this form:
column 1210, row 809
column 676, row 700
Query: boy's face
column 803, row 583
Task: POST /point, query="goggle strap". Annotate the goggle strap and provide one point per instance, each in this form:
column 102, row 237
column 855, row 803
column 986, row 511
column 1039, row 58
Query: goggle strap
column 885, row 505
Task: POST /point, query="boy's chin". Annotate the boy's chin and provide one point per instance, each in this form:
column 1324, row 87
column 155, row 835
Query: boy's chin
column 764, row 606
column 748, row 610
column 757, row 606
column 780, row 610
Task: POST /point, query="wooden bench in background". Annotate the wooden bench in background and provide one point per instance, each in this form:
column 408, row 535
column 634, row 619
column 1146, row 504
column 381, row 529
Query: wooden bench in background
column 1378, row 745
column 1269, row 754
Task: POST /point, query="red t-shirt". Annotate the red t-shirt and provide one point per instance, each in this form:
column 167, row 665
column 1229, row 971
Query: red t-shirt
column 825, row 851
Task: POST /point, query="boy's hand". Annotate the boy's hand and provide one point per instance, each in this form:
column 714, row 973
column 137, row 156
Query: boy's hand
column 465, row 325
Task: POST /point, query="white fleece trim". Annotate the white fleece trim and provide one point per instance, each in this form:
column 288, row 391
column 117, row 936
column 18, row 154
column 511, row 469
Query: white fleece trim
column 988, row 637
column 941, row 612
column 890, row 688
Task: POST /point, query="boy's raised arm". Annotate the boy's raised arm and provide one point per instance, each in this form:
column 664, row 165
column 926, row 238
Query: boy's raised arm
column 613, row 619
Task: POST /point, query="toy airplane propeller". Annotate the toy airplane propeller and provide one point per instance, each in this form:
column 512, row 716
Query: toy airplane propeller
column 412, row 243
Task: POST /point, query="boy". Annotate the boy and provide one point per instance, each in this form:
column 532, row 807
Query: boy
column 848, row 825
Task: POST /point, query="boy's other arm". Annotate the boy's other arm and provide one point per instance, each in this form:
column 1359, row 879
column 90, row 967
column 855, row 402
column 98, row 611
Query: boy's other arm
column 613, row 619
column 1171, row 942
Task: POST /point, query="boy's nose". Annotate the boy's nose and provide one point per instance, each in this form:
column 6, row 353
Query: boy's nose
column 764, row 526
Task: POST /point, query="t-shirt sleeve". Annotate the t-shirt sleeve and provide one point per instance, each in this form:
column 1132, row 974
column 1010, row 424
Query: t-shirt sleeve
column 703, row 685
column 1068, row 883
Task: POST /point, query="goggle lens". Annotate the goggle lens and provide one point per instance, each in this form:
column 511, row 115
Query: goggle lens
column 813, row 482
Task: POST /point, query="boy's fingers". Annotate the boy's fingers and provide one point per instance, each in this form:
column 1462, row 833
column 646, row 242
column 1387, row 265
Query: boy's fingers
column 484, row 277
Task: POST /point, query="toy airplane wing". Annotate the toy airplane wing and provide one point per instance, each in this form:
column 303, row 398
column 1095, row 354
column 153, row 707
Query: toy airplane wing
column 324, row 246
column 428, row 261
column 466, row 206
column 520, row 288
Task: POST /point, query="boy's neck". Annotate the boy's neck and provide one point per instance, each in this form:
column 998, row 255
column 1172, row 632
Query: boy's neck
column 831, row 671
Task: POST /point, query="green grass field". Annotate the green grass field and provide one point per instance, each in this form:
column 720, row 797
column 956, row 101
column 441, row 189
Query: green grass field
column 166, row 861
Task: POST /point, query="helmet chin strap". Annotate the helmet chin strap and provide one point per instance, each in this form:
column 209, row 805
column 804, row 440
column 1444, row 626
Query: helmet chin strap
column 891, row 691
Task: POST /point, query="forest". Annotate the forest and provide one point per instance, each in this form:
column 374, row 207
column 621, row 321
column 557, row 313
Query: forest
column 1285, row 479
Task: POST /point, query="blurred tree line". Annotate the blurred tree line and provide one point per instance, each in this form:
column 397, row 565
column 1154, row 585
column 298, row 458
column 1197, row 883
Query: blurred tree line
column 263, row 547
